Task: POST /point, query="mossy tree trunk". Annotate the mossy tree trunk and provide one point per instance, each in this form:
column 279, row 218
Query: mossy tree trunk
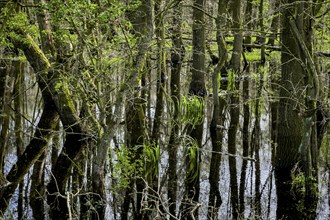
column 141, row 19
column 296, row 135
column 57, row 100
column 196, row 88
column 290, row 124
column 46, row 123
column 177, row 56
column 233, row 88
column 155, row 139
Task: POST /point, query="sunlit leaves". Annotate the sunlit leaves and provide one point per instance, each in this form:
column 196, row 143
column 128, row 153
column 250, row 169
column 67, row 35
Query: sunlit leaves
column 124, row 169
column 192, row 110
column 192, row 153
column 15, row 22
column 151, row 153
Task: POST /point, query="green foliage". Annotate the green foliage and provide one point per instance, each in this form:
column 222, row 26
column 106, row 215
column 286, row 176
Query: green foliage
column 298, row 183
column 231, row 81
column 275, row 56
column 192, row 110
column 14, row 22
column 253, row 56
column 127, row 167
column 151, row 153
column 298, row 186
column 192, row 153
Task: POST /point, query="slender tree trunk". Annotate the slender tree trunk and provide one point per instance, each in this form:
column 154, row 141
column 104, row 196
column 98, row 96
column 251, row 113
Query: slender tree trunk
column 37, row 194
column 235, row 60
column 234, row 105
column 18, row 103
column 160, row 87
column 274, row 23
column 246, row 143
column 98, row 176
column 262, row 34
column 216, row 132
column 274, row 116
column 217, row 125
column 196, row 88
column 256, row 141
column 161, row 61
column 177, row 56
column 249, row 24
column 232, row 132
column 7, row 74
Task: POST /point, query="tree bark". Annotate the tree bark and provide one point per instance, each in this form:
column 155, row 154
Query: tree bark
column 196, row 88
column 246, row 143
column 274, row 23
column 141, row 19
column 177, row 56
column 249, row 23
column 217, row 124
column 256, row 137
column 290, row 124
column 235, row 64
column 7, row 74
column 45, row 126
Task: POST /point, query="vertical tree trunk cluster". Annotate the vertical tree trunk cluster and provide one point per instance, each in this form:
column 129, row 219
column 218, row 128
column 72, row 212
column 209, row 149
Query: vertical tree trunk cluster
column 104, row 109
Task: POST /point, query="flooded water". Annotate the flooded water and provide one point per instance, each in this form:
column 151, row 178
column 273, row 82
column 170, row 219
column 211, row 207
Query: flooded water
column 267, row 200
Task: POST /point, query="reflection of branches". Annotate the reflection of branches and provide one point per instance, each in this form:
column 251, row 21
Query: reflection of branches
column 157, row 199
column 69, row 197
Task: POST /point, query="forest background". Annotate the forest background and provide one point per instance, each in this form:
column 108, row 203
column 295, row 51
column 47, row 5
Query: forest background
column 164, row 109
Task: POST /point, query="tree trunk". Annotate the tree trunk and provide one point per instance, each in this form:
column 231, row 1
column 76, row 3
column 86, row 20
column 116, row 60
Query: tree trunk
column 177, row 56
column 232, row 132
column 196, row 88
column 135, row 115
column 235, row 63
column 249, row 23
column 7, row 74
column 274, row 23
column 235, row 60
column 290, row 124
column 45, row 126
column 32, row 152
column 37, row 194
column 256, row 134
column 18, row 103
column 262, row 34
column 246, row 143
column 217, row 124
